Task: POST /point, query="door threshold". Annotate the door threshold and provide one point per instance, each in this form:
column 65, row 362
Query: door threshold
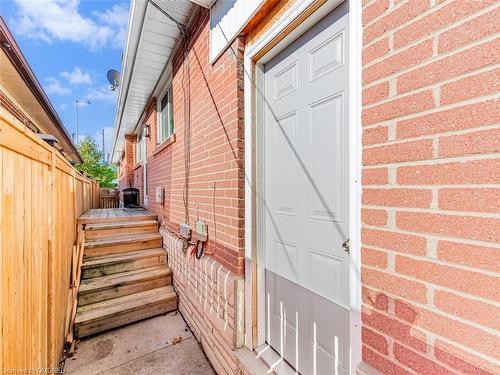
column 251, row 363
column 276, row 363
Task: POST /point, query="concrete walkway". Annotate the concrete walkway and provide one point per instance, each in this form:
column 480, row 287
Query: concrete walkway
column 142, row 348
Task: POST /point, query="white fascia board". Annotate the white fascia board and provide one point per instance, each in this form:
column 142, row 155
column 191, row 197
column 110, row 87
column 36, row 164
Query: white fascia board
column 227, row 19
column 136, row 20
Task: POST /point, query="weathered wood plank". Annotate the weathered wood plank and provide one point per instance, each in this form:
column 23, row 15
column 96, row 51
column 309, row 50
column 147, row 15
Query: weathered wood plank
column 118, row 229
column 22, row 143
column 92, row 218
column 116, row 263
column 106, row 315
column 123, row 285
column 120, row 224
column 122, row 244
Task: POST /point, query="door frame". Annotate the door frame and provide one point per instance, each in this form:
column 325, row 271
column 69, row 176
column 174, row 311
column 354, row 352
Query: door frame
column 295, row 21
column 145, row 180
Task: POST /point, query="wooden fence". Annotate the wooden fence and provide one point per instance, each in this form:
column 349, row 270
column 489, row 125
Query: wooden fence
column 42, row 196
column 109, row 198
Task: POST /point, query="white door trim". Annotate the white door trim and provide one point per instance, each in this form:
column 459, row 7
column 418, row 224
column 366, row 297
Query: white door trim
column 145, row 180
column 252, row 82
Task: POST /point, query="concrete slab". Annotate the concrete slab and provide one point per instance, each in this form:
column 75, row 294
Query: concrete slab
column 183, row 358
column 141, row 348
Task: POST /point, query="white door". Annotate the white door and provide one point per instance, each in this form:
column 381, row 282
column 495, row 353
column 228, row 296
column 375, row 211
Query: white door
column 305, row 205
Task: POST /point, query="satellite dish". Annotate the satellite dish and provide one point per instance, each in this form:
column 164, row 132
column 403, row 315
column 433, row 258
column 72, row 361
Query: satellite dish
column 113, row 78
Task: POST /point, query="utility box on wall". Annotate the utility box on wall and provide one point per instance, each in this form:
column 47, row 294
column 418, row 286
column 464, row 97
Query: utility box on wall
column 160, row 195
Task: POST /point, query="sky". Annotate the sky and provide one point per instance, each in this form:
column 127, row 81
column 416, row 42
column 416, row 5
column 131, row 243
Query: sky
column 70, row 45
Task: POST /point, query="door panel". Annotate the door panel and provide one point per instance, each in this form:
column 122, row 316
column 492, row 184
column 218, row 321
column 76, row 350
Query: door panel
column 305, row 198
column 285, row 166
column 326, row 142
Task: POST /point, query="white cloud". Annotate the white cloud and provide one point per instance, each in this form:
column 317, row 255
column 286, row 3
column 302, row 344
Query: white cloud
column 60, row 20
column 101, row 94
column 117, row 18
column 82, row 103
column 53, row 86
column 117, row 15
column 77, row 77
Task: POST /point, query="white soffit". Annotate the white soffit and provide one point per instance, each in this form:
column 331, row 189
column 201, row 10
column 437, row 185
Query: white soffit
column 204, row 3
column 151, row 38
column 227, row 19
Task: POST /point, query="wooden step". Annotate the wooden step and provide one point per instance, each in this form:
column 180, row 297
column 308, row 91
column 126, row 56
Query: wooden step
column 104, row 288
column 102, row 316
column 117, row 229
column 110, row 264
column 122, row 244
column 115, row 215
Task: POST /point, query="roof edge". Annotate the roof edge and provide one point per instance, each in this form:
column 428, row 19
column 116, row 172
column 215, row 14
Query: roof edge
column 22, row 66
column 134, row 31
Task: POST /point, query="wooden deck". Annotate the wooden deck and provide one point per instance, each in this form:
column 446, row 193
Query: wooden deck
column 108, row 215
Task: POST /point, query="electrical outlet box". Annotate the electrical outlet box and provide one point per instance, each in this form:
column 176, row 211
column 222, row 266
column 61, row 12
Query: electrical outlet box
column 185, row 231
column 201, row 230
column 160, row 195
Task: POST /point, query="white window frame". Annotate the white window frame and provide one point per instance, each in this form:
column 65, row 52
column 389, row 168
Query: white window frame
column 163, row 132
column 140, row 148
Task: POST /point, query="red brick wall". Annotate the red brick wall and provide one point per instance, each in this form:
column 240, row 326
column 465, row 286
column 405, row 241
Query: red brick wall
column 431, row 193
column 214, row 143
column 126, row 177
column 139, row 182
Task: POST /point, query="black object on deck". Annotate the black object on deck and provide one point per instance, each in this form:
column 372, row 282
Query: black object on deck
column 130, row 197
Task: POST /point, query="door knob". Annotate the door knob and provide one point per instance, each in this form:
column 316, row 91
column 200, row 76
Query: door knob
column 346, row 246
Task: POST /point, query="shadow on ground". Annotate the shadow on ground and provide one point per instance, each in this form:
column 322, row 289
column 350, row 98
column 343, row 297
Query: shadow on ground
column 145, row 347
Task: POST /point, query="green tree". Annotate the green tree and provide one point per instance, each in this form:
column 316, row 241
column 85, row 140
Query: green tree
column 93, row 165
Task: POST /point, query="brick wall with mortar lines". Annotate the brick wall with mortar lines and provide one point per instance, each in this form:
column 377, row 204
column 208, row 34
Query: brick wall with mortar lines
column 138, row 182
column 122, row 175
column 431, row 193
column 216, row 149
column 209, row 289
column 126, row 176
column 211, row 301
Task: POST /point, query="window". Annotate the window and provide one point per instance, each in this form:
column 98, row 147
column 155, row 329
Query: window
column 166, row 117
column 140, row 149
